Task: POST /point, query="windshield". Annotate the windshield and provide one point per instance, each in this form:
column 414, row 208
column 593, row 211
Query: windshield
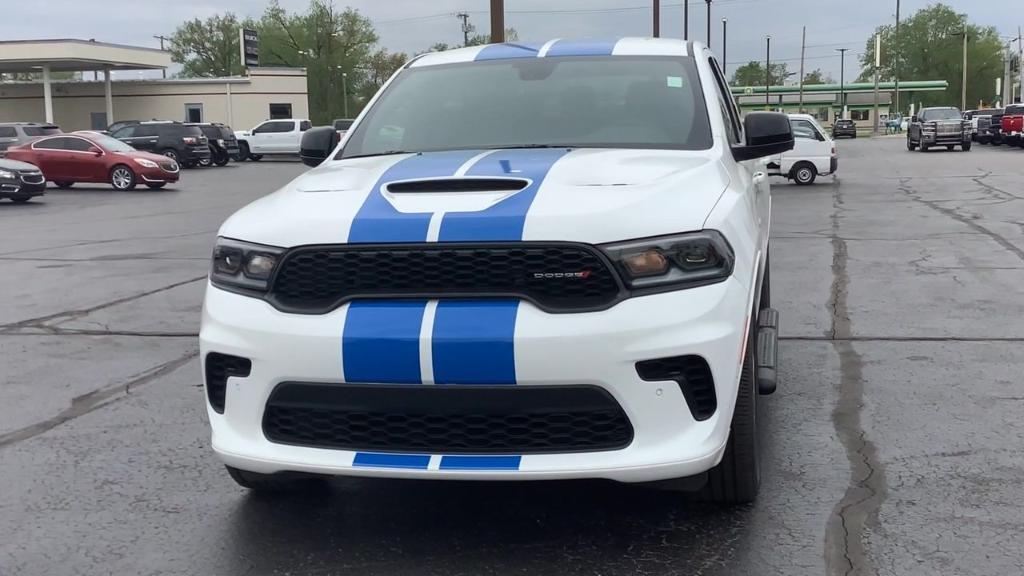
column 110, row 144
column 607, row 102
column 940, row 114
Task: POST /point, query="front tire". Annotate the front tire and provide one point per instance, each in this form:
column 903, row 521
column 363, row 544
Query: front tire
column 966, row 147
column 243, row 152
column 804, row 174
column 221, row 158
column 257, row 482
column 910, row 144
column 156, row 185
column 255, row 157
column 122, row 178
column 924, row 147
column 64, row 185
column 737, row 478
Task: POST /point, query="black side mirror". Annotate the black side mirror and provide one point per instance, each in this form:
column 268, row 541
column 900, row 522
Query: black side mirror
column 317, row 144
column 913, row 118
column 768, row 133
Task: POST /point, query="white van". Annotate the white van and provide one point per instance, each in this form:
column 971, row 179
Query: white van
column 813, row 154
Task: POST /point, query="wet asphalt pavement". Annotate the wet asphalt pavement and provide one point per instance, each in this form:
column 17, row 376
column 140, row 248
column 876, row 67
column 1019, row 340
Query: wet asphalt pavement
column 893, row 445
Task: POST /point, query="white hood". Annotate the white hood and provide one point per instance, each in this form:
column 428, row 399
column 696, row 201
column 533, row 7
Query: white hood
column 583, row 195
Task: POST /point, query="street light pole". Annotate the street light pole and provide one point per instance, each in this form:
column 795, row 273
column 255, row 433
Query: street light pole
column 878, row 61
column 344, row 91
column 803, row 50
column 709, row 21
column 896, row 57
column 963, row 82
column 725, row 46
column 767, row 71
column 842, row 82
column 686, row 19
column 657, row 18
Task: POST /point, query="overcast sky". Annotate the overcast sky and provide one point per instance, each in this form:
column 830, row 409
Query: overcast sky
column 413, row 25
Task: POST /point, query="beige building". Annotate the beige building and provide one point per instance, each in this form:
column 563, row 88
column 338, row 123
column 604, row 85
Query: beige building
column 241, row 102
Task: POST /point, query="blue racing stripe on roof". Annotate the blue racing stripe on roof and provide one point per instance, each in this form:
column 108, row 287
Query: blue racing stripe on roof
column 473, row 342
column 380, row 342
column 507, row 51
column 503, row 221
column 377, row 460
column 480, row 462
column 379, row 221
column 582, row 48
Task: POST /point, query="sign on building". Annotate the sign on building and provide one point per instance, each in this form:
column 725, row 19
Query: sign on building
column 249, row 44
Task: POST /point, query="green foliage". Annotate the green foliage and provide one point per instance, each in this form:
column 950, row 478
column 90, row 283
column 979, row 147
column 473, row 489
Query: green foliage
column 511, row 35
column 930, row 47
column 818, row 77
column 208, row 48
column 752, row 74
column 338, row 48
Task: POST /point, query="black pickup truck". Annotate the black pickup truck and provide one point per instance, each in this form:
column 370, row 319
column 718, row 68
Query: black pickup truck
column 995, row 128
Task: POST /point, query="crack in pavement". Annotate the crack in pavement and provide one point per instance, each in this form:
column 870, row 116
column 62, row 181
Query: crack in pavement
column 911, row 193
column 845, row 550
column 75, row 314
column 89, row 402
column 56, row 331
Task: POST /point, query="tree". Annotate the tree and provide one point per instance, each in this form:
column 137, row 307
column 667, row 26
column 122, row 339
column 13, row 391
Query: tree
column 378, row 68
column 511, row 35
column 208, row 48
column 752, row 74
column 818, row 77
column 930, row 47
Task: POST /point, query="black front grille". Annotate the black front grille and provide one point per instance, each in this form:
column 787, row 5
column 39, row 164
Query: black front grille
column 32, row 178
column 556, row 277
column 692, row 374
column 218, row 368
column 446, row 419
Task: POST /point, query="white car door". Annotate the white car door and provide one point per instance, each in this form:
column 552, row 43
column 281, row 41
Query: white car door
column 262, row 139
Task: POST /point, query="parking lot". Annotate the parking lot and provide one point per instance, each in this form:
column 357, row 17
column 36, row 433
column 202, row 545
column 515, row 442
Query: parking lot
column 891, row 447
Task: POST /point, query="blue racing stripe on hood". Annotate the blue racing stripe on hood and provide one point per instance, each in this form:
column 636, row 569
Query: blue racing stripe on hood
column 380, row 342
column 473, row 342
column 507, row 51
column 504, row 220
column 582, row 48
column 379, row 221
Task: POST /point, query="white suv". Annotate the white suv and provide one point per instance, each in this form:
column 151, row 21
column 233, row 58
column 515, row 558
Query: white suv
column 491, row 280
column 272, row 137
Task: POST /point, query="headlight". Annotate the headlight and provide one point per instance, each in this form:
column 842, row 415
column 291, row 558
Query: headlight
column 673, row 262
column 243, row 266
column 146, row 163
column 8, row 174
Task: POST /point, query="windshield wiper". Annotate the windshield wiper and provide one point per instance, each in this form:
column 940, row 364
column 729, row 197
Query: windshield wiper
column 385, row 153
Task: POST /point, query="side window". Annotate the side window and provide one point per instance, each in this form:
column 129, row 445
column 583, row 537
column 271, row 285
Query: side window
column 804, row 129
column 730, row 116
column 78, row 144
column 50, row 144
column 8, row 132
column 145, row 130
column 264, row 128
column 126, row 132
column 305, row 125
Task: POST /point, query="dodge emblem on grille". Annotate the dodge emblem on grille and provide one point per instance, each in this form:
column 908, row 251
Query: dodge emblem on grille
column 581, row 275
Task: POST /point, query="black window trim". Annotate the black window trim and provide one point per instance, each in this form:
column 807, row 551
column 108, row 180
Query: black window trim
column 70, row 136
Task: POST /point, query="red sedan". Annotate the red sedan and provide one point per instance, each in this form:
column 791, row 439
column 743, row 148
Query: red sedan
column 90, row 157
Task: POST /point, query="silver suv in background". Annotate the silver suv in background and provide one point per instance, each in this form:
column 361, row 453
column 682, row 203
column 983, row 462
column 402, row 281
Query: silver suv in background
column 17, row 133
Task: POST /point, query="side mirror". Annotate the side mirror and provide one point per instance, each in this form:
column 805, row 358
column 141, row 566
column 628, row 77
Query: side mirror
column 95, row 151
column 317, row 144
column 768, row 134
column 913, row 118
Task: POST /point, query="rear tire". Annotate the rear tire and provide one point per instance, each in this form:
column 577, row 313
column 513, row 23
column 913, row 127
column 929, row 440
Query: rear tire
column 966, row 147
column 243, row 152
column 21, row 199
column 221, row 158
column 156, row 185
column 255, row 157
column 283, row 482
column 803, row 173
column 63, row 185
column 737, row 478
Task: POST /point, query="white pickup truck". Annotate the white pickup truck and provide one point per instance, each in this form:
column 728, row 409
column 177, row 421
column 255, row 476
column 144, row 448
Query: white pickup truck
column 272, row 137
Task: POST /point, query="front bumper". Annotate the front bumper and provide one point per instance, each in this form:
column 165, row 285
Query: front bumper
column 597, row 349
column 196, row 153
column 16, row 188
column 945, row 139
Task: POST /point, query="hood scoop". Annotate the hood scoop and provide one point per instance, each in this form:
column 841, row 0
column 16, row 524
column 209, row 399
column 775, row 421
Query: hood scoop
column 436, row 195
column 443, row 185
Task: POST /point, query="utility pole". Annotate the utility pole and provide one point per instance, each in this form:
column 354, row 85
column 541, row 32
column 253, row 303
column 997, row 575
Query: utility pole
column 897, row 56
column 709, row 21
column 497, row 21
column 963, row 82
column 162, row 38
column 803, row 50
column 1020, row 64
column 878, row 62
column 686, row 19
column 466, row 27
column 725, row 46
column 657, row 18
column 842, row 82
column 767, row 71
column 344, row 91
